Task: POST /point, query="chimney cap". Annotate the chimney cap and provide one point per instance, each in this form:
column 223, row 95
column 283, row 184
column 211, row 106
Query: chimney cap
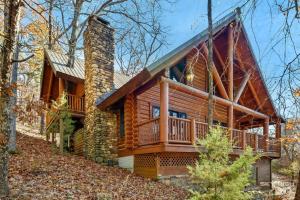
column 100, row 19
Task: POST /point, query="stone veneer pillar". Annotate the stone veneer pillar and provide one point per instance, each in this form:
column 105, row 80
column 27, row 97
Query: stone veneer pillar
column 100, row 126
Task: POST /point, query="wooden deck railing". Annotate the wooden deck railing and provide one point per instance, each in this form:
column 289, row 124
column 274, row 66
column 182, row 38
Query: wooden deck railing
column 75, row 103
column 149, row 132
column 237, row 138
column 179, row 130
column 187, row 131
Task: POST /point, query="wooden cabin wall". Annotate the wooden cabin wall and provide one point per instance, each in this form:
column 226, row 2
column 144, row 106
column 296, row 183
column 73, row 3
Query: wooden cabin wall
column 194, row 107
column 55, row 88
column 46, row 80
column 199, row 69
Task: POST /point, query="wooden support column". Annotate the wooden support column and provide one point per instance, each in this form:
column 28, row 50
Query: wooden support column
column 230, row 79
column 193, row 131
column 164, row 112
column 255, row 142
column 61, row 136
column 266, row 135
column 61, row 124
column 278, row 129
column 244, row 139
column 278, row 135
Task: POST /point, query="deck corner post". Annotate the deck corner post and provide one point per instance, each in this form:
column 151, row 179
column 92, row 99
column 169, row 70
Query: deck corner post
column 164, row 111
column 266, row 135
column 255, row 142
column 193, row 131
column 61, row 136
column 244, row 139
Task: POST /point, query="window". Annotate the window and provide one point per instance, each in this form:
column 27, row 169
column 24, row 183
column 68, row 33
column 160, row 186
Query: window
column 172, row 113
column 155, row 112
column 122, row 130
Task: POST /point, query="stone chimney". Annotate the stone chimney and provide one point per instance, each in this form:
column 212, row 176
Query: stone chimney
column 100, row 126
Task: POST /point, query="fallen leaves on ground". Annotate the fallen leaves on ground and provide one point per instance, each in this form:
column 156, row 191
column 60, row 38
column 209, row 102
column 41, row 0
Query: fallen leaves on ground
column 38, row 172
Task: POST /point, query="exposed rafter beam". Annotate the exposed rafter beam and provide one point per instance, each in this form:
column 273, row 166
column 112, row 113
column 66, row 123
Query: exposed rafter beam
column 217, row 77
column 242, row 87
column 225, row 102
column 249, row 82
column 219, row 57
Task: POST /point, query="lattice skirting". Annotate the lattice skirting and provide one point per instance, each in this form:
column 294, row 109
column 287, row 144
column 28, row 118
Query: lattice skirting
column 156, row 165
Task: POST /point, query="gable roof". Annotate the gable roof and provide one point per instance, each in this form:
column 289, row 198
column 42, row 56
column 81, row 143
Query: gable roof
column 166, row 61
column 175, row 56
column 58, row 64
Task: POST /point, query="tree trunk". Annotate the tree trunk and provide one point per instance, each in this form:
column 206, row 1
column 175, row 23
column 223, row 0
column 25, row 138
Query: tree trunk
column 297, row 195
column 50, row 46
column 73, row 39
column 210, row 63
column 13, row 102
column 11, row 8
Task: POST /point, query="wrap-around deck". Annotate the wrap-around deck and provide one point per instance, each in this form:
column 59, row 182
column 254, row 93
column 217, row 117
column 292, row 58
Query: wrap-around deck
column 188, row 131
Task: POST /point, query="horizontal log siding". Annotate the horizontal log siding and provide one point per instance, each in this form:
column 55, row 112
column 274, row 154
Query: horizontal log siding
column 195, row 107
column 198, row 64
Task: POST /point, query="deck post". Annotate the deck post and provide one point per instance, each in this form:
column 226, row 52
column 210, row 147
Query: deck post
column 61, row 136
column 193, row 131
column 244, row 139
column 230, row 122
column 266, row 135
column 164, row 112
column 255, row 142
column 278, row 135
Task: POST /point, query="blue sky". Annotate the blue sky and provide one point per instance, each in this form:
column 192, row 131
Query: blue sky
column 186, row 18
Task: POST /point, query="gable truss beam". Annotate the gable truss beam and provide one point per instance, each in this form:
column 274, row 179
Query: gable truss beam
column 217, row 77
column 251, row 87
column 242, row 87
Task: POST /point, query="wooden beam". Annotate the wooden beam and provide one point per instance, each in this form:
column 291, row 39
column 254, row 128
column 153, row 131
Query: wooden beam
column 242, row 87
column 217, row 77
column 249, row 82
column 219, row 57
column 278, row 129
column 266, row 134
column 164, row 112
column 190, row 90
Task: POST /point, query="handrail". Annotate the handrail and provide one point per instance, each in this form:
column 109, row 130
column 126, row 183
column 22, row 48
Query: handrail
column 148, row 121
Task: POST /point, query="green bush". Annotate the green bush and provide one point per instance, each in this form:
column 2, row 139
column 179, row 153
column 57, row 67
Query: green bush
column 215, row 175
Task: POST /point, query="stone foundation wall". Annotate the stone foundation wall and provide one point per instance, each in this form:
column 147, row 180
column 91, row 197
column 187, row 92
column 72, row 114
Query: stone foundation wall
column 100, row 126
column 263, row 173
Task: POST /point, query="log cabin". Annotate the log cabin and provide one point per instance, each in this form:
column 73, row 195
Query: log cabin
column 149, row 123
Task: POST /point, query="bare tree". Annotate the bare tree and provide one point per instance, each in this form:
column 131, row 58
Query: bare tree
column 210, row 63
column 11, row 11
